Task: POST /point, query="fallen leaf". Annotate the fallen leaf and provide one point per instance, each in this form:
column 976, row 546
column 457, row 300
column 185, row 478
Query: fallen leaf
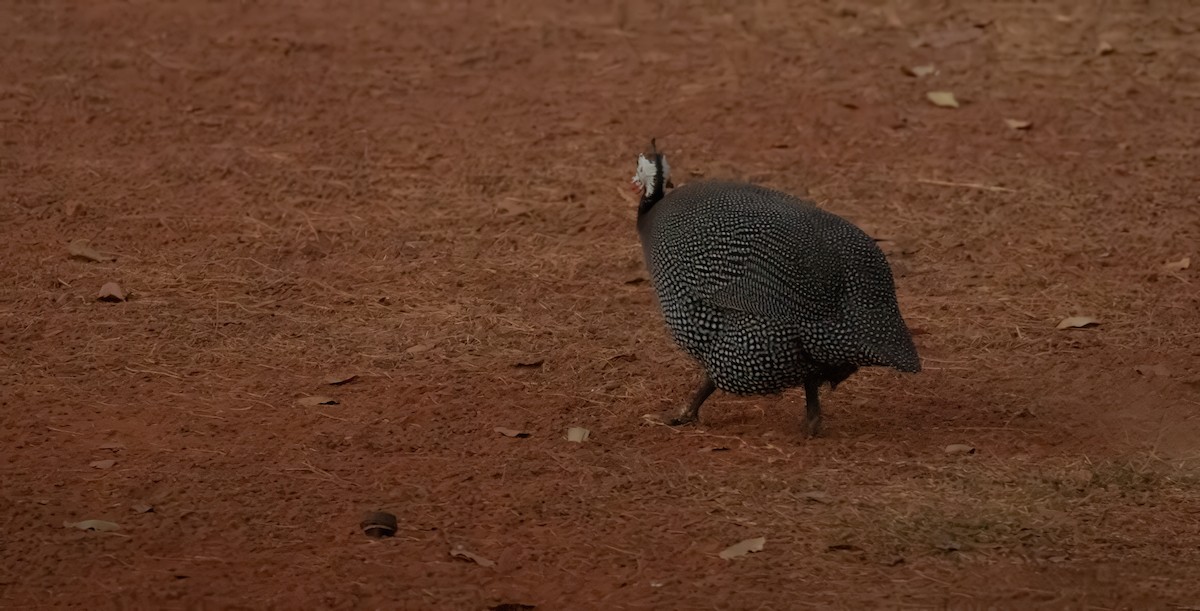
column 463, row 554
column 1153, row 370
column 341, row 378
column 637, row 280
column 944, row 99
column 112, row 292
column 142, row 508
column 96, row 525
column 115, row 446
column 919, row 71
column 578, row 434
column 1077, row 322
column 815, row 496
column 82, row 249
column 417, row 349
column 1018, row 124
column 960, row 448
column 1178, row 266
column 529, row 363
column 1104, row 48
column 512, row 432
column 316, row 400
column 742, row 548
column 102, row 464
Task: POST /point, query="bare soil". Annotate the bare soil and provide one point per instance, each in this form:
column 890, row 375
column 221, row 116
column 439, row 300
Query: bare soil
column 433, row 196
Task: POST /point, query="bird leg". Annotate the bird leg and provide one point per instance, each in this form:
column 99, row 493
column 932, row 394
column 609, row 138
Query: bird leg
column 691, row 413
column 812, row 408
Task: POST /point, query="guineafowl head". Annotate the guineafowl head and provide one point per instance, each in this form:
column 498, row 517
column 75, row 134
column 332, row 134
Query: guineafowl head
column 652, row 178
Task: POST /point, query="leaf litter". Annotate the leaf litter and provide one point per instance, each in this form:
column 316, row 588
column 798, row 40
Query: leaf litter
column 943, row 99
column 919, row 71
column 112, row 293
column 340, row 378
column 507, row 432
column 461, row 554
column 316, row 400
column 741, row 548
column 82, row 249
column 1077, row 322
column 1178, row 266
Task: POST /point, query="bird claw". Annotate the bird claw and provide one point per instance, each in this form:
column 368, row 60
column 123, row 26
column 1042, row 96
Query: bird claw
column 680, row 419
column 812, row 427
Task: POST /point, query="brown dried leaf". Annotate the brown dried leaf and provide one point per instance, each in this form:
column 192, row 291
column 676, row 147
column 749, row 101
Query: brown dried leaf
column 1077, row 322
column 316, row 400
column 578, row 434
column 749, row 546
column 115, row 446
column 1178, row 266
column 102, row 464
column 1104, row 48
column 341, row 378
column 96, row 525
column 82, row 249
column 529, row 363
column 960, row 448
column 919, row 71
column 512, row 432
column 1018, row 124
column 111, row 292
column 419, row 348
column 142, row 508
column 944, row 99
column 462, row 554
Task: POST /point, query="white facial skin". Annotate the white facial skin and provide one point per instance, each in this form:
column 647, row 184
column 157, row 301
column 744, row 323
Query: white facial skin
column 645, row 180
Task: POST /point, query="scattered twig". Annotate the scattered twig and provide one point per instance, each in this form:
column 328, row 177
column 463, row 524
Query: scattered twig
column 965, row 185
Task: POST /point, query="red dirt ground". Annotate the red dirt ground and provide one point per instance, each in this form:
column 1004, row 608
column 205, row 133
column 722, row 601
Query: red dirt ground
column 426, row 194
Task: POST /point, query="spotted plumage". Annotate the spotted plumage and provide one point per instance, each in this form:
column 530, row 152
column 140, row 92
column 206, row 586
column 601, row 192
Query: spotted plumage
column 767, row 291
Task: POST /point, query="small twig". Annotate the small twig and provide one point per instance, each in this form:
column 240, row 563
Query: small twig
column 64, row 431
column 150, row 371
column 966, row 185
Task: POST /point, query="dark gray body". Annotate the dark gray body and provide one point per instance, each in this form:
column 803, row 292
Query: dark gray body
column 769, row 292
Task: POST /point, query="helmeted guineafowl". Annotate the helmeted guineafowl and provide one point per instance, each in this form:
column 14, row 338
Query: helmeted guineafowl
column 765, row 290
